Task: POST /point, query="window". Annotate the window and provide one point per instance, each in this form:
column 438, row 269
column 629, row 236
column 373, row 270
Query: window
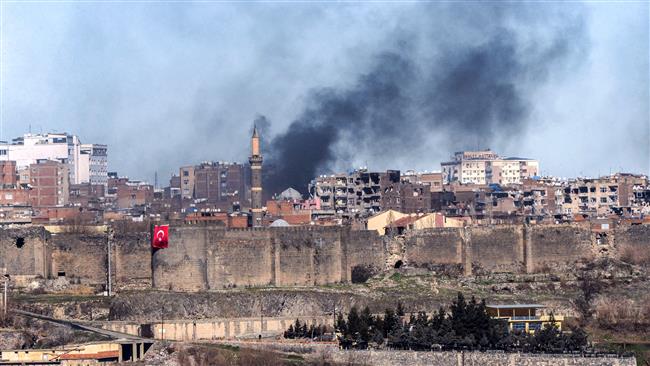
column 3, row 152
column 603, row 199
column 534, row 326
column 519, row 326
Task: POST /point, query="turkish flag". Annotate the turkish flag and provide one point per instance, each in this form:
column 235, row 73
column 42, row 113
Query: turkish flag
column 160, row 237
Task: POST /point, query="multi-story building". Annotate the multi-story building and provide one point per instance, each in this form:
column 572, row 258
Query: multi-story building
column 213, row 185
column 615, row 194
column 85, row 162
column 362, row 193
column 187, row 182
column 486, row 167
column 433, row 179
column 133, row 193
column 87, row 195
column 8, row 176
column 93, row 164
column 14, row 197
column 49, row 181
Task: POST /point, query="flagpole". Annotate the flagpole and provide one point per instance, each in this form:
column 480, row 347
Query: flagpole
column 153, row 251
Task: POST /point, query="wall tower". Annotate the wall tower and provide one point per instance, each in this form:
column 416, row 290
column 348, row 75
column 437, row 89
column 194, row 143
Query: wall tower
column 256, row 178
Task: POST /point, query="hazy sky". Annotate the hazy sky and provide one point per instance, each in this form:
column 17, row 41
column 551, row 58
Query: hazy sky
column 171, row 84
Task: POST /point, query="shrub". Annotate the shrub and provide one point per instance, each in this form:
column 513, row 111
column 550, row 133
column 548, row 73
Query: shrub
column 623, row 314
column 635, row 255
column 361, row 274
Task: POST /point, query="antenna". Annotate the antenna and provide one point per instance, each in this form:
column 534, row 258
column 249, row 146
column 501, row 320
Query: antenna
column 155, row 180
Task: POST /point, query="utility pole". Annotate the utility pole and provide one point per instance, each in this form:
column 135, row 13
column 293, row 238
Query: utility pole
column 109, row 234
column 162, row 323
column 261, row 319
column 4, row 297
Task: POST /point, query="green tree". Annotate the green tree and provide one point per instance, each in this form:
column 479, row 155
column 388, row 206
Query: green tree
column 340, row 325
column 549, row 338
column 390, row 322
column 400, row 309
column 354, row 321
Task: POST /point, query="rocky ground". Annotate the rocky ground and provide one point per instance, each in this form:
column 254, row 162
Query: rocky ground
column 204, row 354
column 613, row 296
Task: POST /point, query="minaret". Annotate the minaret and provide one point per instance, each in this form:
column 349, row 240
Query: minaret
column 256, row 178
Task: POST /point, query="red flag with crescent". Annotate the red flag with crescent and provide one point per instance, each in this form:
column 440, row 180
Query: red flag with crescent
column 160, row 237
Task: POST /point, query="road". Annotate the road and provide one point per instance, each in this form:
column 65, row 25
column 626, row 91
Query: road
column 76, row 325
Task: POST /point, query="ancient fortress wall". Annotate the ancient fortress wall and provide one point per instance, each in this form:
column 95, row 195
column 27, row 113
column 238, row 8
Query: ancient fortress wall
column 77, row 256
column 24, row 252
column 205, row 257
column 131, row 253
column 636, row 237
column 434, row 246
column 506, row 248
column 498, row 249
column 549, row 247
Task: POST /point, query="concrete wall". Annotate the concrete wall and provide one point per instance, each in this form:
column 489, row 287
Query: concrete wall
column 389, row 358
column 212, row 329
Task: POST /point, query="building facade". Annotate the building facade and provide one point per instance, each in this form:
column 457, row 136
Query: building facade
column 49, row 181
column 362, row 193
column 8, row 175
column 85, row 162
column 486, row 167
column 93, row 164
column 212, row 186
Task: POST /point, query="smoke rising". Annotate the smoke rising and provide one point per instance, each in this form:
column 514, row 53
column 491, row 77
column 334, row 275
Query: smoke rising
column 387, row 85
column 471, row 94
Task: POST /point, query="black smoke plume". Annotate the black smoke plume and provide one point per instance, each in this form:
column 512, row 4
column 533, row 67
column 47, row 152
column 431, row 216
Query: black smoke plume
column 469, row 94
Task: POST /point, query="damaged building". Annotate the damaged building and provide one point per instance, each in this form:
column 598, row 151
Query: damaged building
column 362, row 193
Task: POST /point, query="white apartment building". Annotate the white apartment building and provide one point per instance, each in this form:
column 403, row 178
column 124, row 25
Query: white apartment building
column 486, row 167
column 93, row 164
column 86, row 162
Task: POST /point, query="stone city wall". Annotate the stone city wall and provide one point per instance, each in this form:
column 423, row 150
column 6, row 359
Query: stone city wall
column 208, row 257
column 24, row 252
column 503, row 248
column 204, row 257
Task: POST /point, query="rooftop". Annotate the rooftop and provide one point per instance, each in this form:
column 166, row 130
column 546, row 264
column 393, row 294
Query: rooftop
column 516, row 306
